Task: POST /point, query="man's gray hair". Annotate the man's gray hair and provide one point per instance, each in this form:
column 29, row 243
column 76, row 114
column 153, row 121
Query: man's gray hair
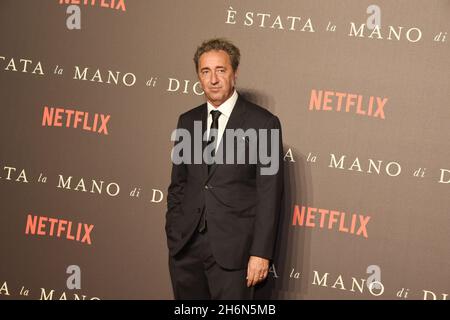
column 219, row 44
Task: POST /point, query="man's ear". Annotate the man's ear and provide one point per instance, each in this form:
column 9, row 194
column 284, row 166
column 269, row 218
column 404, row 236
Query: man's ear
column 236, row 73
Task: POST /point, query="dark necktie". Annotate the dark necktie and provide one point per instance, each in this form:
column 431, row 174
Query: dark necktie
column 214, row 125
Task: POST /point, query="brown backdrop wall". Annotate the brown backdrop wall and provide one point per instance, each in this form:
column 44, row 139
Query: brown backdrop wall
column 292, row 52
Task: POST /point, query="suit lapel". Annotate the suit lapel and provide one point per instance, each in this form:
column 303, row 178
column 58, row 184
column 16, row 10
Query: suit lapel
column 204, row 118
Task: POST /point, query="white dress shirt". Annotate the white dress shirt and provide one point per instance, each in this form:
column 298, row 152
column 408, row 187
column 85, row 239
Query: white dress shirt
column 225, row 109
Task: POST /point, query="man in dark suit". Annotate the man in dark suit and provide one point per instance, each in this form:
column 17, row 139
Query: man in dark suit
column 222, row 211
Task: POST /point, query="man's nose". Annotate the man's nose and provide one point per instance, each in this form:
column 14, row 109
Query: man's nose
column 214, row 78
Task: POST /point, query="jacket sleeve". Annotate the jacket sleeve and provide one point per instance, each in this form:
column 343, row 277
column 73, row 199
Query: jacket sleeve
column 269, row 184
column 175, row 196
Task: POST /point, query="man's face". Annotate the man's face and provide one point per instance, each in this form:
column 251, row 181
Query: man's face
column 216, row 76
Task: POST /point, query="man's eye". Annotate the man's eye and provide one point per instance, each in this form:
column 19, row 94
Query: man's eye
column 221, row 70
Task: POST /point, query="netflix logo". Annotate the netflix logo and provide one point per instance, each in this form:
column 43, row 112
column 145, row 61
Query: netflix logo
column 108, row 4
column 59, row 117
column 59, row 228
column 330, row 219
column 323, row 100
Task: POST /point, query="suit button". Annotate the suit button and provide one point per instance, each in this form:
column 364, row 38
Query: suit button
column 206, row 187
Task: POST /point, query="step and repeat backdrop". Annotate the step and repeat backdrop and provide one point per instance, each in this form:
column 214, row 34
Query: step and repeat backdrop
column 90, row 92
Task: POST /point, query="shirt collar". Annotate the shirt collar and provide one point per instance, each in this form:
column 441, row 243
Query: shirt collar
column 227, row 107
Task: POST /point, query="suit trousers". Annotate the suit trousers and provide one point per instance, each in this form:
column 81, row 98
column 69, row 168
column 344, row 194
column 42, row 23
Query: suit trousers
column 196, row 275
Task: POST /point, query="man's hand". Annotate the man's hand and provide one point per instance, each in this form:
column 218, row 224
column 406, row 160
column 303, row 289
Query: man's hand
column 257, row 270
